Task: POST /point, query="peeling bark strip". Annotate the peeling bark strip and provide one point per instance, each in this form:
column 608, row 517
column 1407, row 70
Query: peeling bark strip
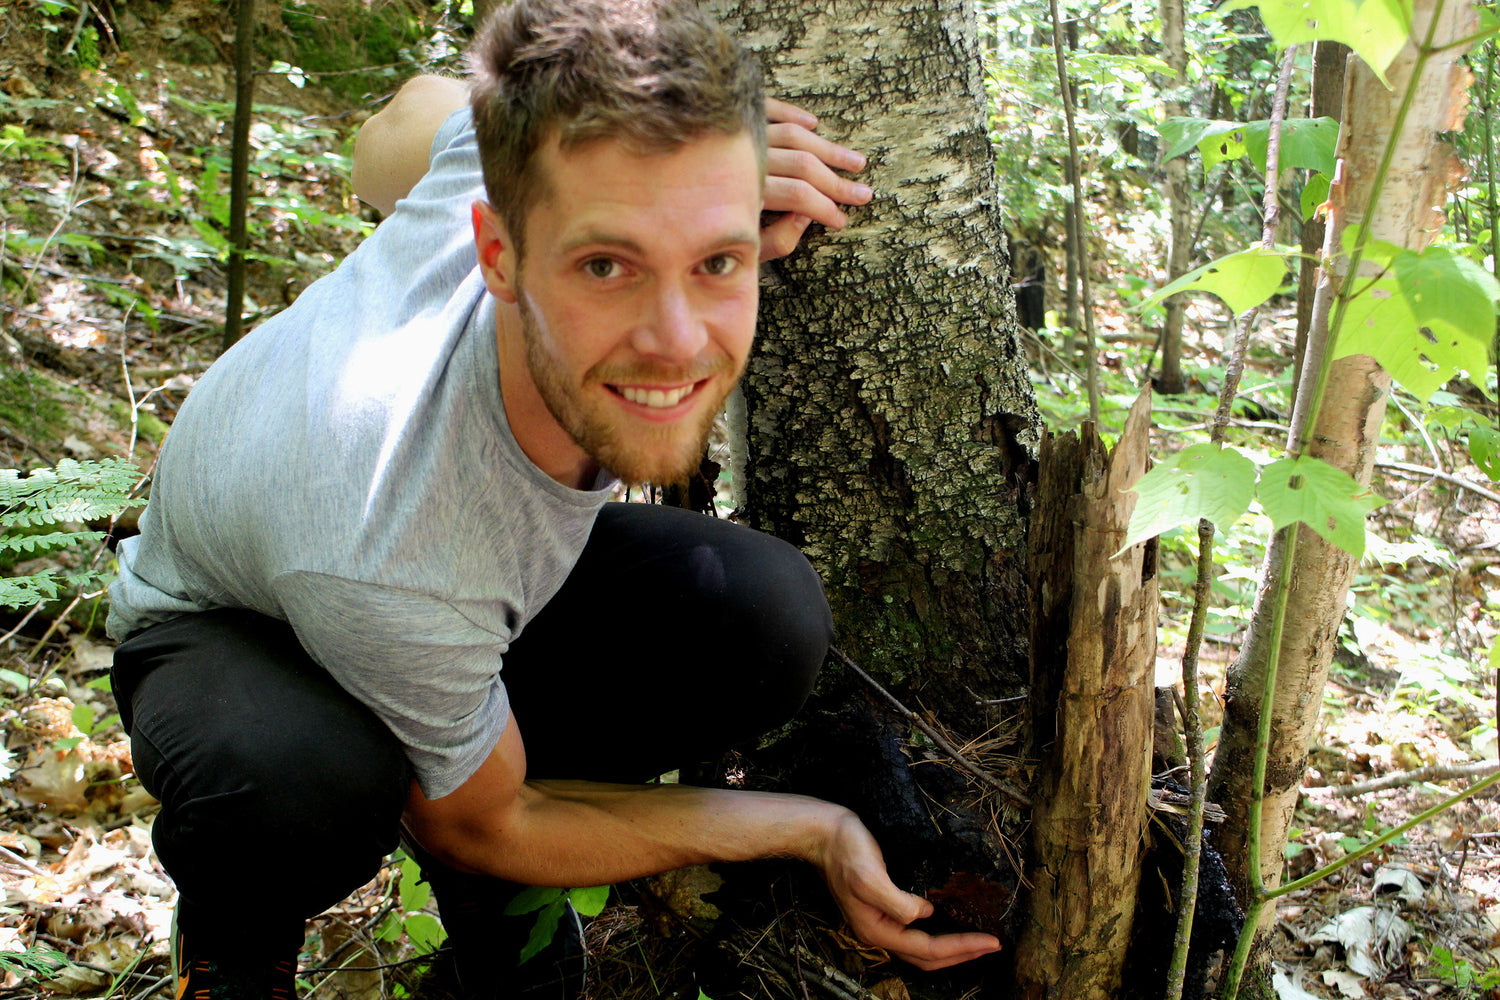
column 1409, row 213
column 888, row 411
column 1094, row 652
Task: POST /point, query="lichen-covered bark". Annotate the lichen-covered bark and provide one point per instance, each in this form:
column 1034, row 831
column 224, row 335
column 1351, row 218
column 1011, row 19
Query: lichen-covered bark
column 888, row 413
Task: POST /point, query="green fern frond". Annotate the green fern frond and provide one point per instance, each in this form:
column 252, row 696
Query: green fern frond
column 74, row 491
column 71, row 494
column 35, row 545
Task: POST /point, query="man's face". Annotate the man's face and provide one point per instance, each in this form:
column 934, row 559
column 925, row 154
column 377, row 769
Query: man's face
column 636, row 295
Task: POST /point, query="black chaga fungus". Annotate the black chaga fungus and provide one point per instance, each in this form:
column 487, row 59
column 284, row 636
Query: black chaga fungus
column 1216, row 923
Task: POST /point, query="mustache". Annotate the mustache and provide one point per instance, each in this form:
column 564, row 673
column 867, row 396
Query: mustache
column 648, row 371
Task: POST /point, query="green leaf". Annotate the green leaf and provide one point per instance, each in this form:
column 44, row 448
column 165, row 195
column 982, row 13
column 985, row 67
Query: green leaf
column 1484, row 449
column 1216, row 141
column 1314, row 193
column 1202, row 480
column 1489, row 25
column 1326, row 499
column 415, row 893
column 544, row 931
column 83, row 718
column 1375, row 29
column 1428, row 318
column 425, row 932
column 532, row 898
column 1243, row 280
column 1306, row 143
column 589, row 902
column 390, row 928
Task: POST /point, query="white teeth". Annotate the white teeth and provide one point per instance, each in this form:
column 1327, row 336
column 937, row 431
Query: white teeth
column 655, row 398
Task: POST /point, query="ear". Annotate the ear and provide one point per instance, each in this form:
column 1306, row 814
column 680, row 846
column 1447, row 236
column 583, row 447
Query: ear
column 497, row 255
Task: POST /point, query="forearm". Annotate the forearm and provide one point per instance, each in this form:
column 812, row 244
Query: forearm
column 572, row 833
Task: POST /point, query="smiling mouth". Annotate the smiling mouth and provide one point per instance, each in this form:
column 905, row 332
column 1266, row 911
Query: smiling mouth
column 656, row 399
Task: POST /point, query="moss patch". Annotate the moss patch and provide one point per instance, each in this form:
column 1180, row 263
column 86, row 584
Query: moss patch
column 35, row 406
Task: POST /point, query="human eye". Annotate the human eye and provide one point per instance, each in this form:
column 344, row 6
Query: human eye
column 601, row 267
column 721, row 264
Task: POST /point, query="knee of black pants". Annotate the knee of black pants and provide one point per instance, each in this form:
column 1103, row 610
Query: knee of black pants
column 321, row 809
column 779, row 627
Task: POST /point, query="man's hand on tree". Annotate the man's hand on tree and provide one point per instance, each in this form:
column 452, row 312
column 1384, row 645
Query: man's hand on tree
column 800, row 179
column 878, row 912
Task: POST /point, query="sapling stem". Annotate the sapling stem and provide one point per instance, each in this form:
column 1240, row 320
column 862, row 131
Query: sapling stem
column 1192, row 725
column 1365, row 850
column 1492, row 202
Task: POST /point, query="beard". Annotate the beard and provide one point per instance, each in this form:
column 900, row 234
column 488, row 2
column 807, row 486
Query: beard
column 633, row 450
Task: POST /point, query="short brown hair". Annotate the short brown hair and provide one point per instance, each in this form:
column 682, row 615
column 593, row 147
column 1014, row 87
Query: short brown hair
column 651, row 73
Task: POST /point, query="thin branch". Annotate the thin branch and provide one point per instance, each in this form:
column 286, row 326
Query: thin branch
column 1437, row 772
column 15, row 858
column 936, row 737
column 1459, row 481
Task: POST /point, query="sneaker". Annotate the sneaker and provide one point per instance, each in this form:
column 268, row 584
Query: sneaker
column 484, row 944
column 204, row 977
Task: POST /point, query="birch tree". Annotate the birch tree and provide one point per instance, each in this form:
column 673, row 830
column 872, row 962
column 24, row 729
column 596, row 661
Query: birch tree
column 1393, row 178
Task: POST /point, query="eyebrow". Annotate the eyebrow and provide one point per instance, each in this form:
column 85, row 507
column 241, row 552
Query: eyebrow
column 594, row 237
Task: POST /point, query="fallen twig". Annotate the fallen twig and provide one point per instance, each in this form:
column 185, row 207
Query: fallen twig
column 1459, row 481
column 986, row 777
column 1437, row 772
column 15, row 858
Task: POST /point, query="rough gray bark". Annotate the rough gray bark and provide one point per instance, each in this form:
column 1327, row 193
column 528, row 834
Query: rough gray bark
column 888, row 413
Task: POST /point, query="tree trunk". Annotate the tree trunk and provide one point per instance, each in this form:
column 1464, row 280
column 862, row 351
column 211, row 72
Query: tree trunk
column 1345, row 434
column 1329, row 62
column 887, row 410
column 1174, row 50
column 1094, row 650
column 1072, row 309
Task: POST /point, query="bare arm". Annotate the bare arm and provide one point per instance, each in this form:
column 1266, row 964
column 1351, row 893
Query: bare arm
column 393, row 148
column 574, row 833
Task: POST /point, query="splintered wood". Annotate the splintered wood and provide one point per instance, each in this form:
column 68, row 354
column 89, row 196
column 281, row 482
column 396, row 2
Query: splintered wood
column 1093, row 652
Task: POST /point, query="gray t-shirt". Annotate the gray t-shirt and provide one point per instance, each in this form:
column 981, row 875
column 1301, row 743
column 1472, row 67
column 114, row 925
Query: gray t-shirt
column 347, row 468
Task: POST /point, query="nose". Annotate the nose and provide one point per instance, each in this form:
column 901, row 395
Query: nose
column 672, row 327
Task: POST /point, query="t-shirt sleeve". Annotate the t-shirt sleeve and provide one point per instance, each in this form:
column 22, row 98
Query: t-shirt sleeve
column 454, row 126
column 428, row 672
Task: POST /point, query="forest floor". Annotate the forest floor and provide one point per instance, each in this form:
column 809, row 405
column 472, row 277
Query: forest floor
column 112, row 223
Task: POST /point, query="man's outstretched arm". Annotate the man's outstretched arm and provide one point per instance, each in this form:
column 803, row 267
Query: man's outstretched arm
column 393, row 148
column 572, row 833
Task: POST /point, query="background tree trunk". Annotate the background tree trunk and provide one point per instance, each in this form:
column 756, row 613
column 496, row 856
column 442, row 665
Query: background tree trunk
column 1346, row 433
column 1329, row 62
column 887, row 409
column 1174, row 51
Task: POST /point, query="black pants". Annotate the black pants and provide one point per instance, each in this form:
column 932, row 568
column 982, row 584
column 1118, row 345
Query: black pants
column 675, row 637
